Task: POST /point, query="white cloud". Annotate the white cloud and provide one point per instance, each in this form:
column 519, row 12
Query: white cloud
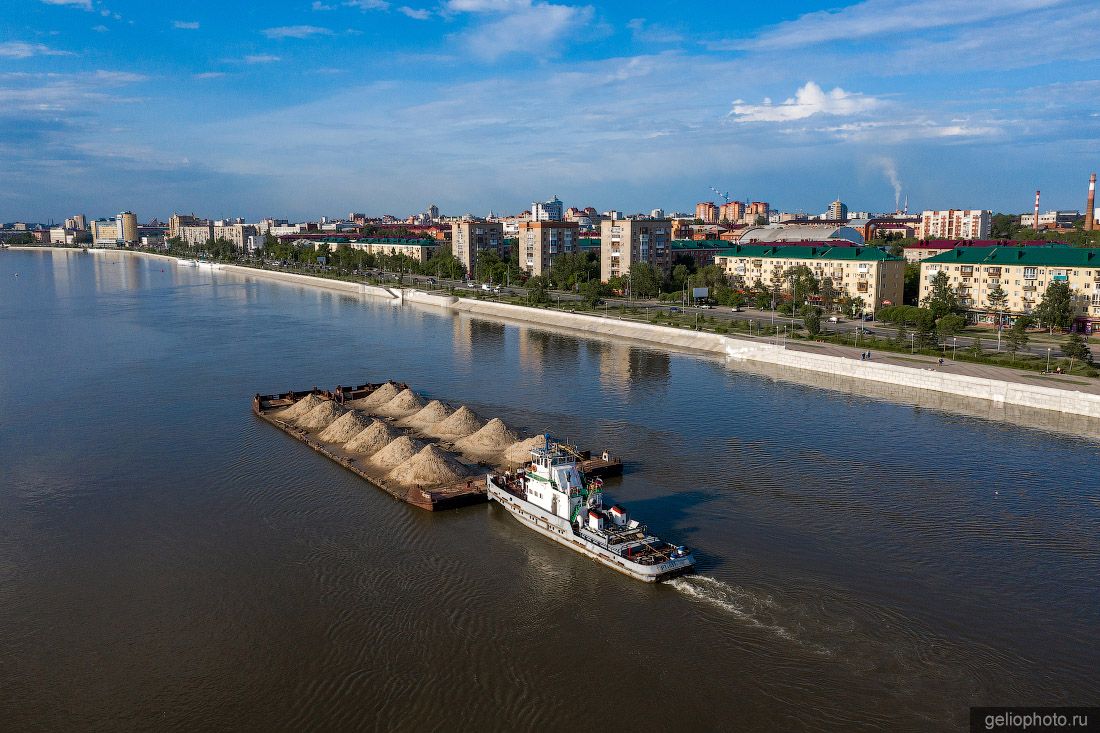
column 318, row 5
column 83, row 4
column 113, row 78
column 519, row 26
column 368, row 4
column 883, row 18
column 186, row 25
column 808, row 101
column 100, row 28
column 260, row 58
column 209, row 75
column 415, row 13
column 296, row 31
column 21, row 50
column 645, row 32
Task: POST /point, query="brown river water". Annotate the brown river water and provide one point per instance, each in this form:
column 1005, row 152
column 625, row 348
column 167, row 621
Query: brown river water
column 170, row 562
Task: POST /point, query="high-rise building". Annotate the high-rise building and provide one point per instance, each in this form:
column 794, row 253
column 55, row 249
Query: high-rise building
column 706, row 212
column 127, row 227
column 540, row 243
column 104, row 232
column 77, row 222
column 838, row 211
column 955, row 224
column 624, row 242
column 758, row 209
column 731, row 211
column 432, row 212
column 552, row 210
column 237, row 234
column 469, row 238
column 657, row 213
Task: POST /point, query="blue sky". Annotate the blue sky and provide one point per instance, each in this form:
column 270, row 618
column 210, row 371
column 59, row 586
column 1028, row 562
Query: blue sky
column 301, row 109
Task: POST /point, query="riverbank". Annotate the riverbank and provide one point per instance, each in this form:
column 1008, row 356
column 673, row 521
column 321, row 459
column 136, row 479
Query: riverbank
column 1000, row 386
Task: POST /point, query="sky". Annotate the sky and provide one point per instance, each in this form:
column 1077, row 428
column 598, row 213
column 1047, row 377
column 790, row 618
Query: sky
column 298, row 109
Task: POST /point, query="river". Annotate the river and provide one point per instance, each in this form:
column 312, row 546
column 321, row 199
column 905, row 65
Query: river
column 170, row 562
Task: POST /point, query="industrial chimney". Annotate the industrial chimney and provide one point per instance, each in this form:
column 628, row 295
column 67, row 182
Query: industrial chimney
column 1090, row 212
column 1036, row 220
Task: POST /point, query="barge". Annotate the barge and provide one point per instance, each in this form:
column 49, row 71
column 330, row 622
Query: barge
column 432, row 498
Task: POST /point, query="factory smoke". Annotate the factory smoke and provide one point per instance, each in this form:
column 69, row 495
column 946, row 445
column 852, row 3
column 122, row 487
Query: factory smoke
column 890, row 170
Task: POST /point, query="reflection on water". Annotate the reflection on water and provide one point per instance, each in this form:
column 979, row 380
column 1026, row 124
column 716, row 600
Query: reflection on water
column 868, row 561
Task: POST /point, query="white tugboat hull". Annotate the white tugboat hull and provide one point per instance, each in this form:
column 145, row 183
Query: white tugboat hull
column 560, row 531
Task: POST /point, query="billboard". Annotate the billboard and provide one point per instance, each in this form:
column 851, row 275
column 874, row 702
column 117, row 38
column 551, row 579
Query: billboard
column 698, row 293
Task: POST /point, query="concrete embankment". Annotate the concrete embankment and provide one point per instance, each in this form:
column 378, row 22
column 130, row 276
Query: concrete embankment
column 995, row 391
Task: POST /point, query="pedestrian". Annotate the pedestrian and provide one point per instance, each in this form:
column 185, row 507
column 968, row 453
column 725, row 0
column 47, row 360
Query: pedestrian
column 868, row 356
column 941, row 362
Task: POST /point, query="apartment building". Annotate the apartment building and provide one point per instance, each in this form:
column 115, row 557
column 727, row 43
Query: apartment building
column 1023, row 273
column 552, row 210
column 237, row 234
column 955, row 224
column 624, row 242
column 420, row 250
column 731, row 211
column 469, row 238
column 182, row 220
column 194, row 235
column 868, row 273
column 706, row 212
column 540, row 243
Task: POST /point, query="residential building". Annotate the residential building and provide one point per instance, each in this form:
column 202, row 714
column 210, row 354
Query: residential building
column 657, row 214
column 706, row 212
column 552, row 210
column 920, row 251
column 1023, row 273
column 237, row 234
column 867, row 273
column 731, row 211
column 955, row 224
column 77, row 222
column 701, row 251
column 61, row 235
column 756, row 210
column 194, row 235
column 127, row 227
column 420, row 250
column 540, row 243
column 625, row 242
column 470, row 237
column 838, row 210
column 1051, row 219
column 182, row 220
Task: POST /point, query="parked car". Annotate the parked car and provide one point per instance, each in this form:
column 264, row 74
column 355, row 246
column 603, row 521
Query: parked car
column 835, row 319
column 486, row 286
column 673, row 310
column 706, row 306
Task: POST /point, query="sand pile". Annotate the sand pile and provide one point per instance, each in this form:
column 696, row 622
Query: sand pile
column 300, row 408
column 489, row 442
column 404, row 404
column 520, row 452
column 461, row 423
column 397, row 452
column 346, row 427
column 376, row 437
column 321, row 416
column 433, row 412
column 432, row 466
column 377, row 398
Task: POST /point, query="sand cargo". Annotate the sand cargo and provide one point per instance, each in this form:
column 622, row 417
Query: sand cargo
column 427, row 453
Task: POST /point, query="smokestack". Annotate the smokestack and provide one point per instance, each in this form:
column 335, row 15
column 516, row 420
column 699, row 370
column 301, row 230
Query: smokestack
column 1090, row 212
column 1036, row 221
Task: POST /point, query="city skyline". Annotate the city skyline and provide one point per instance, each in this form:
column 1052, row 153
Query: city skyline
column 299, row 109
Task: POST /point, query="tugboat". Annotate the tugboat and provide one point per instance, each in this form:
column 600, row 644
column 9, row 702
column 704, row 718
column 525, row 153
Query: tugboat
column 552, row 496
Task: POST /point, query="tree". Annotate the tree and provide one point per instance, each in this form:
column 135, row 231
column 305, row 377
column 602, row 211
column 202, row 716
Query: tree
column 828, row 294
column 911, row 286
column 1076, row 347
column 949, row 326
column 802, row 284
column 644, row 281
column 924, row 329
column 855, row 306
column 942, row 300
column 1017, row 337
column 812, row 321
column 1056, row 309
column 593, row 292
column 997, row 299
column 976, row 349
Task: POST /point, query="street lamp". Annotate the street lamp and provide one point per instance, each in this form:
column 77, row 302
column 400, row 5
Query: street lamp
column 1048, row 360
column 954, row 347
column 912, row 343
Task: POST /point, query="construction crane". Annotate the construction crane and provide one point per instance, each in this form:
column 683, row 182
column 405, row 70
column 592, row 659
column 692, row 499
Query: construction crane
column 725, row 196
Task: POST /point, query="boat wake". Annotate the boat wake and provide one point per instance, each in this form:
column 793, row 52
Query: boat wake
column 760, row 611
